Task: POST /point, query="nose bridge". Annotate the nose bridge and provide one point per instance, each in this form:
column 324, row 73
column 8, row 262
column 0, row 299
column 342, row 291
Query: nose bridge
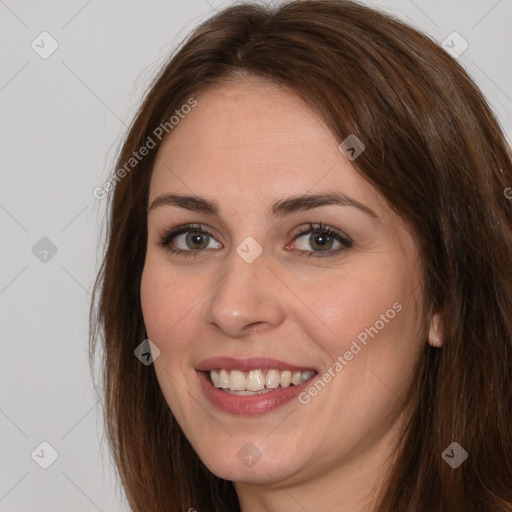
column 245, row 295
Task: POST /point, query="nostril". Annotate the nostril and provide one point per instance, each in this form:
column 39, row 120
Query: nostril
column 252, row 328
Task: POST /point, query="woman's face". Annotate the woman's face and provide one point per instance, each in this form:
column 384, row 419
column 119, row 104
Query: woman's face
column 261, row 293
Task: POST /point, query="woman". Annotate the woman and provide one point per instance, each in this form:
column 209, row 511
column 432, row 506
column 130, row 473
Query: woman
column 305, row 300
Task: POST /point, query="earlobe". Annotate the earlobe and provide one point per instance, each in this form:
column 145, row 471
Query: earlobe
column 436, row 331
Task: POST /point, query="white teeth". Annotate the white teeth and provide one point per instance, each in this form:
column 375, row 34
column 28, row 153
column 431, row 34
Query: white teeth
column 257, row 381
column 237, row 381
column 272, row 379
column 286, row 378
column 214, row 376
column 243, row 393
column 304, row 376
column 223, row 379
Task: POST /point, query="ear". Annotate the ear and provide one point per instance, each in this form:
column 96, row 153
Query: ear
column 436, row 331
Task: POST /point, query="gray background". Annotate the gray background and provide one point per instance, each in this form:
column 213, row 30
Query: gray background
column 62, row 120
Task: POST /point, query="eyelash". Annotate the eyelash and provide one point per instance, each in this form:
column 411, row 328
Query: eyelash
column 346, row 241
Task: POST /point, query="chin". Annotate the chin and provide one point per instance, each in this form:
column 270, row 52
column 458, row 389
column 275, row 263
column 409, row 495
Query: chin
column 251, row 463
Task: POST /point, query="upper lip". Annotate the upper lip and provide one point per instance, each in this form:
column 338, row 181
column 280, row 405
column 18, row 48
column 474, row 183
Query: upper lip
column 249, row 363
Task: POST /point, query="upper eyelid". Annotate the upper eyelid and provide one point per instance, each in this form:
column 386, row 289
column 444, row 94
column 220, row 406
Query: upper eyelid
column 311, row 226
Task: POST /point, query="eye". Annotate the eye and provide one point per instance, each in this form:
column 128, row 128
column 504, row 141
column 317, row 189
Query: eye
column 189, row 239
column 322, row 239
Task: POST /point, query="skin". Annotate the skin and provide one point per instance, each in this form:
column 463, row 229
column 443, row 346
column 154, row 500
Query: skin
column 244, row 146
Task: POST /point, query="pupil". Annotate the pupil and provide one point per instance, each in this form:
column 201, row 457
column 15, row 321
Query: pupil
column 324, row 240
column 195, row 239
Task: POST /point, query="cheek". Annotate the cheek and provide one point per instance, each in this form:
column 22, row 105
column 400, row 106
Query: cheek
column 155, row 301
column 343, row 307
column 368, row 317
column 168, row 312
column 166, row 301
column 366, row 328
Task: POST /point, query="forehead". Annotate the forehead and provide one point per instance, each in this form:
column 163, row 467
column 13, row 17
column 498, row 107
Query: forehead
column 254, row 139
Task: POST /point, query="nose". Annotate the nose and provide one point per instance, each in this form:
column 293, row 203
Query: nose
column 248, row 299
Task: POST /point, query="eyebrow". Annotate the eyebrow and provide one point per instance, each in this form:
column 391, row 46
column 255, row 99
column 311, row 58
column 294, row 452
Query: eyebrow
column 278, row 208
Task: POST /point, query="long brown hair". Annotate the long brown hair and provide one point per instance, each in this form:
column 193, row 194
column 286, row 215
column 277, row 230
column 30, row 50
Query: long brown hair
column 435, row 151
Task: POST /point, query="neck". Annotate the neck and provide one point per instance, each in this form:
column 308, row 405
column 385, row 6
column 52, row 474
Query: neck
column 349, row 484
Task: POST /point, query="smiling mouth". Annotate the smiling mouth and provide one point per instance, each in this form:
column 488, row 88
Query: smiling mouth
column 256, row 382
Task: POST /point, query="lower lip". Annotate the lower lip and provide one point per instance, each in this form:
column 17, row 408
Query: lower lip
column 250, row 405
